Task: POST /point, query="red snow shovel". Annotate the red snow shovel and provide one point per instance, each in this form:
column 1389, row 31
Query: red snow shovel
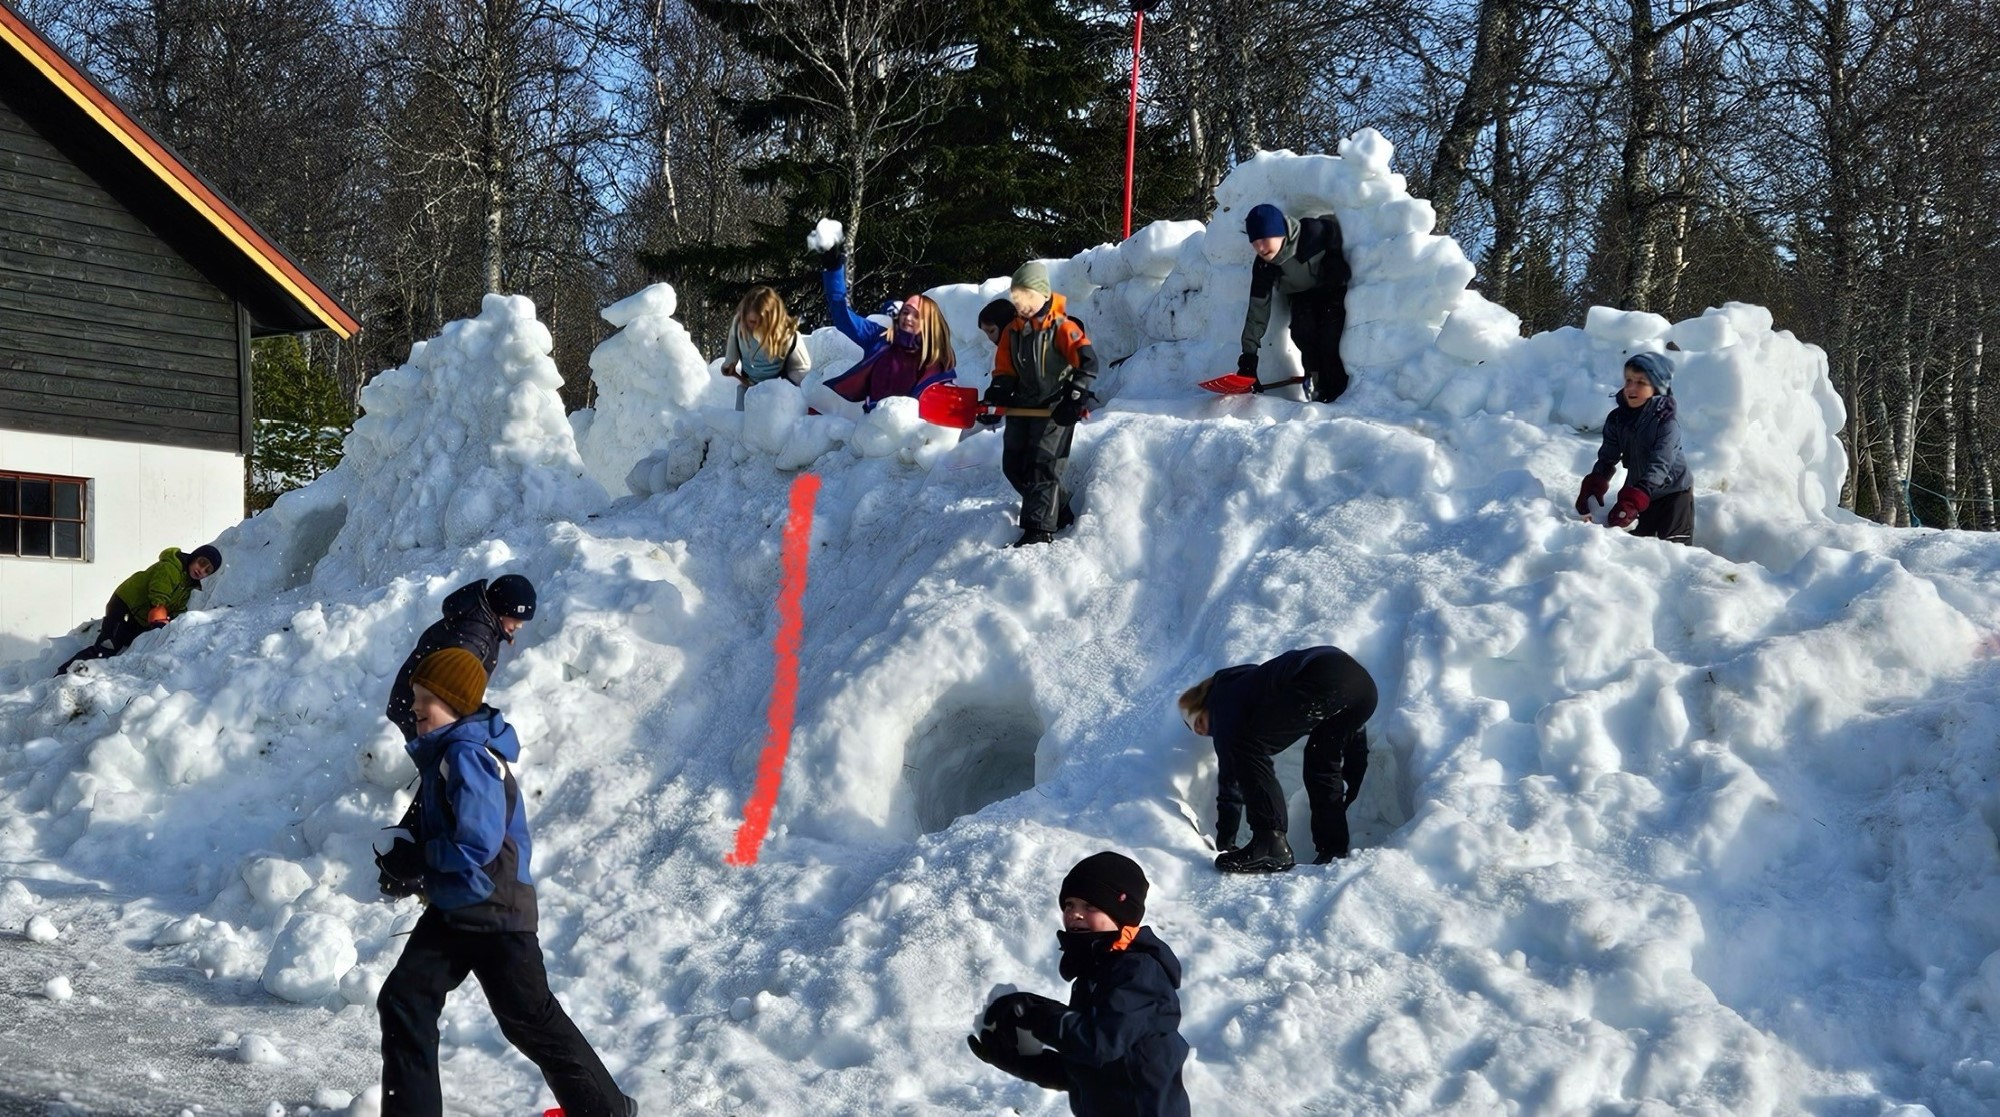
column 1237, row 384
column 949, row 405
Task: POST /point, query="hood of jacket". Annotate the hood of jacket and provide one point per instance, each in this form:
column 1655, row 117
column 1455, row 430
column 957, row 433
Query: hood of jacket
column 1662, row 405
column 468, row 600
column 1083, row 951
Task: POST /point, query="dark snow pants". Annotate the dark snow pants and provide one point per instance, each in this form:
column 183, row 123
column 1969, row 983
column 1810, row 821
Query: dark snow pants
column 1033, row 455
column 508, row 965
column 1671, row 518
column 114, row 635
column 1318, row 318
column 1336, row 754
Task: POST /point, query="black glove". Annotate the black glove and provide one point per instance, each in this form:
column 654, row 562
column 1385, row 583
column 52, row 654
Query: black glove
column 1032, row 1011
column 1246, row 365
column 401, row 869
column 1000, row 393
column 1044, row 1070
column 401, row 865
column 833, row 259
column 1073, row 407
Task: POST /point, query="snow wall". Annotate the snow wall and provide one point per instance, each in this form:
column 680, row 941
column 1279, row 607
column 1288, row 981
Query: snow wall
column 1648, row 829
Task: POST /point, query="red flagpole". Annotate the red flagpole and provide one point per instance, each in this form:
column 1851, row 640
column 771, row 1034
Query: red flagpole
column 1132, row 119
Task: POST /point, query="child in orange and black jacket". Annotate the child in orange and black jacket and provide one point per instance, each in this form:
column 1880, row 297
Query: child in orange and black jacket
column 1044, row 360
column 1118, row 1050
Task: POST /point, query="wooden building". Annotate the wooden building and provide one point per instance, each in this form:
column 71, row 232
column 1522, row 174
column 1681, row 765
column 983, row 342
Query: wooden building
column 129, row 294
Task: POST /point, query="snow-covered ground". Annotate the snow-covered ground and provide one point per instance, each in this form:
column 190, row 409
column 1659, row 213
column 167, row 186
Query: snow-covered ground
column 1649, row 830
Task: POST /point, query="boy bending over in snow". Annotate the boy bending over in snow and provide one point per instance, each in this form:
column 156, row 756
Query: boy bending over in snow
column 1643, row 433
column 469, row 857
column 1254, row 712
column 1118, row 1046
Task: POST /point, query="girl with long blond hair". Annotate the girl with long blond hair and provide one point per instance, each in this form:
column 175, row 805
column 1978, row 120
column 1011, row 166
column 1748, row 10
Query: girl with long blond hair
column 764, row 343
column 901, row 361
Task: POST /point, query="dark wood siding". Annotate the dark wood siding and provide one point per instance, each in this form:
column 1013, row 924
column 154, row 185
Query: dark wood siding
column 105, row 330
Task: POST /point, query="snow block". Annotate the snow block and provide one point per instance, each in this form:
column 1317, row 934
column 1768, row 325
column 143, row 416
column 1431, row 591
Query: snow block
column 1623, row 327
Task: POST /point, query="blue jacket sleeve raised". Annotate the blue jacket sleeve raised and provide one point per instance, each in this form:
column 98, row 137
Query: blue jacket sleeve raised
column 859, row 330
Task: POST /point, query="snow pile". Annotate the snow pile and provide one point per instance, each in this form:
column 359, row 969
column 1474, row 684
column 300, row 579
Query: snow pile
column 1647, row 829
column 466, row 437
column 649, row 379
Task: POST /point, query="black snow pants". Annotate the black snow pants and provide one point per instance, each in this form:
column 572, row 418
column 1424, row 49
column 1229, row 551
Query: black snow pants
column 1318, row 318
column 1670, row 518
column 1336, row 754
column 509, row 967
column 1033, row 455
column 114, row 635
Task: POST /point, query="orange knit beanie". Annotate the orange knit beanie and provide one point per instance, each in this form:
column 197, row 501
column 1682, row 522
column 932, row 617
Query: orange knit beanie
column 455, row 676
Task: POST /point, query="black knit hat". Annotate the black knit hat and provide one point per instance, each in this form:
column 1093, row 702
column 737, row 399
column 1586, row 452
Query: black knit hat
column 207, row 551
column 511, row 595
column 1110, row 882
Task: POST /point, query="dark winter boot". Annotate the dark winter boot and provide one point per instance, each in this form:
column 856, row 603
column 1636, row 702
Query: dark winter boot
column 1227, row 821
column 1268, row 852
column 1328, row 856
column 1032, row 536
column 1064, row 518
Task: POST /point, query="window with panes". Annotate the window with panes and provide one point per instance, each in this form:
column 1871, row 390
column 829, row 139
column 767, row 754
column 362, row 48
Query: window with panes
column 43, row 516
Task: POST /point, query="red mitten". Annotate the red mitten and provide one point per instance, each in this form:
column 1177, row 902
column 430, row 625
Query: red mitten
column 1593, row 486
column 1631, row 502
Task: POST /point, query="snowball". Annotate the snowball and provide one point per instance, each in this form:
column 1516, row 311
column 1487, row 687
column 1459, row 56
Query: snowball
column 57, row 989
column 368, row 1103
column 41, row 929
column 178, row 931
column 770, row 410
column 274, row 881
column 826, row 234
column 256, row 1050
column 309, row 958
column 327, row 1097
column 360, row 986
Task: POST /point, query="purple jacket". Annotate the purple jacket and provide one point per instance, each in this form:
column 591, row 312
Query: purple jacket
column 887, row 367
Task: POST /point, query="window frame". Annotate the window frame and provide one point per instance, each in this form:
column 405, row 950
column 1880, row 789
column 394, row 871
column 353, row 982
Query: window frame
column 19, row 515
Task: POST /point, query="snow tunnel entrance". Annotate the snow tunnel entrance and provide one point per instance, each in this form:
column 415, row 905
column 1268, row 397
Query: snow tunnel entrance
column 979, row 750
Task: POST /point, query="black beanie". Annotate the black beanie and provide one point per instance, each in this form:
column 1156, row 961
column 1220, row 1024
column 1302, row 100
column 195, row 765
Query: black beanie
column 208, row 552
column 511, row 595
column 1110, row 882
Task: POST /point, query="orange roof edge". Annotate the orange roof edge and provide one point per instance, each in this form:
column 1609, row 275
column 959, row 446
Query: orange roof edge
column 80, row 89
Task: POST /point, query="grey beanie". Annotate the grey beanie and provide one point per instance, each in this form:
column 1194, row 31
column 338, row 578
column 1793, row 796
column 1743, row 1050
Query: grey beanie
column 1032, row 276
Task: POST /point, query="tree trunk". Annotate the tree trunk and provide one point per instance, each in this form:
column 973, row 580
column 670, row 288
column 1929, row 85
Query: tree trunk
column 1636, row 177
column 492, row 158
column 1479, row 103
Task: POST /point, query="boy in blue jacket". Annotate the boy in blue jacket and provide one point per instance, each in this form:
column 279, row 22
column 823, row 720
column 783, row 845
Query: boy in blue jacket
column 1644, row 434
column 469, row 856
column 1117, row 1045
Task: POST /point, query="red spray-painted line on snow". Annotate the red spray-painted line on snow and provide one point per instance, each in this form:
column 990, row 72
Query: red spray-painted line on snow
column 785, row 683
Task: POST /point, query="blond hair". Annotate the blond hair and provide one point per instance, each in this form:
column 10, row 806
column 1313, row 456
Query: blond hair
column 1194, row 700
column 776, row 327
column 934, row 352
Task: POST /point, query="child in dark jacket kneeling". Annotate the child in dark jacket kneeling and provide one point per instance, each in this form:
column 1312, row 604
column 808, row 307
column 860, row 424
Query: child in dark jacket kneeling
column 1117, row 1047
column 468, row 855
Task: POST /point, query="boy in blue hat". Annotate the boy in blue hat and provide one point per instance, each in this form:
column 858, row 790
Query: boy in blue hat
column 1300, row 258
column 1644, row 434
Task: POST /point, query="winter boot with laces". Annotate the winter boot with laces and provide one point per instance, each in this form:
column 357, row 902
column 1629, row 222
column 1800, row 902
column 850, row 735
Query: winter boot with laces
column 1268, row 852
column 1032, row 536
